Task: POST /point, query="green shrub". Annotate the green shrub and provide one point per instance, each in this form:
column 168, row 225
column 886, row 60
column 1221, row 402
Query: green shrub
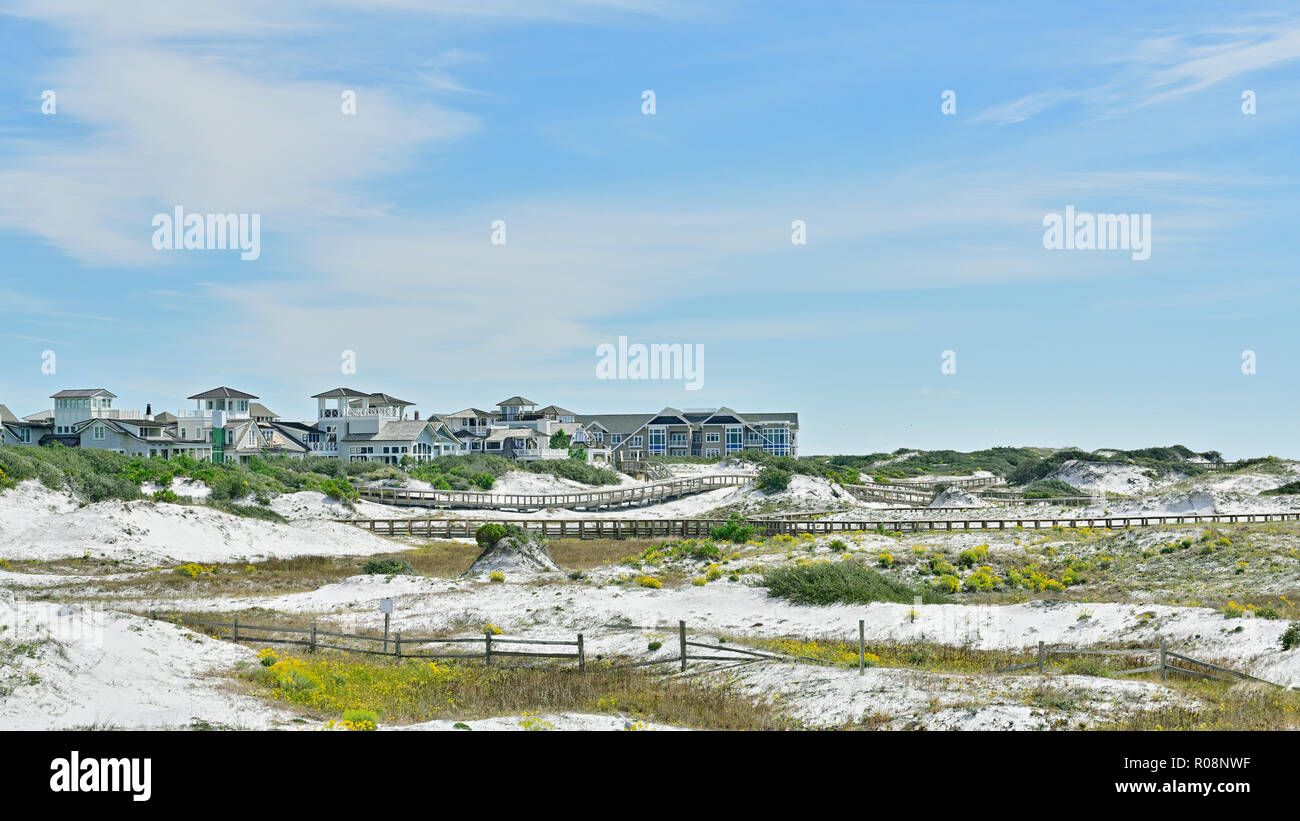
column 1291, row 638
column 489, row 534
column 388, row 567
column 946, row 583
column 839, row 583
column 773, row 480
column 736, row 530
column 484, row 481
column 361, row 719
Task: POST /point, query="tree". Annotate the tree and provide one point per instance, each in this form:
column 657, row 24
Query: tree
column 559, row 439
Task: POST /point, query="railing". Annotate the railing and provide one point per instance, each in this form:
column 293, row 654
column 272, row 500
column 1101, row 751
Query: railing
column 702, row 528
column 207, row 414
column 1162, row 655
column 623, row 497
column 879, row 492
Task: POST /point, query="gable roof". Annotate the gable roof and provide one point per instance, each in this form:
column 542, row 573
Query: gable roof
column 39, row 416
column 557, row 410
column 468, row 412
column 258, row 409
column 341, row 393
column 385, row 399
column 6, row 415
column 223, row 393
column 165, row 417
column 82, row 393
column 404, row 431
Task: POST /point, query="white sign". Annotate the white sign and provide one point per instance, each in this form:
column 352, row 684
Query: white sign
column 385, row 605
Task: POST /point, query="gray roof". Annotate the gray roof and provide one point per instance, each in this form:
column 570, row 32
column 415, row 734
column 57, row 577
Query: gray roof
column 557, row 410
column 82, row 393
column 223, row 393
column 340, row 393
column 40, row 416
column 515, row 401
column 615, row 422
column 258, row 409
column 469, row 412
column 404, row 431
column 6, row 415
column 385, row 399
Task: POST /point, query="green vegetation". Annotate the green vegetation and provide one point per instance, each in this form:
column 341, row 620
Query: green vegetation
column 1285, row 490
column 491, row 533
column 413, row 691
column 1291, row 638
column 1051, row 488
column 841, row 583
column 773, row 480
column 388, row 567
column 735, row 530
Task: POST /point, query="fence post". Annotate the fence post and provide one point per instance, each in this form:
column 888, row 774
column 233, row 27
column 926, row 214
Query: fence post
column 153, row 614
column 582, row 655
column 311, row 647
column 234, row 621
column 487, row 644
column 1042, row 658
column 1164, row 673
column 862, row 647
column 397, row 644
column 681, row 632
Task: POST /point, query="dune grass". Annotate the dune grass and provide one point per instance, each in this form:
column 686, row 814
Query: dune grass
column 411, row 691
column 842, row 582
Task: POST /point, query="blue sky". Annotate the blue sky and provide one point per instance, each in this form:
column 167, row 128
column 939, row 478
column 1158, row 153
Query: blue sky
column 924, row 229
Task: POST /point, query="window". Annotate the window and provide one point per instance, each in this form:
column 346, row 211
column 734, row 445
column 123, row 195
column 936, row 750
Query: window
column 99, row 432
column 713, row 437
column 636, row 441
column 616, row 438
column 733, row 438
column 679, row 438
column 711, row 452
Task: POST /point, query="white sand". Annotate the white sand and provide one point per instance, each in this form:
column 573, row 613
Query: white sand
column 103, row 668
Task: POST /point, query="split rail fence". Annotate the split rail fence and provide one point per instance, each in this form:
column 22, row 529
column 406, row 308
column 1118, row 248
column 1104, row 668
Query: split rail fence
column 315, row 638
column 1163, row 665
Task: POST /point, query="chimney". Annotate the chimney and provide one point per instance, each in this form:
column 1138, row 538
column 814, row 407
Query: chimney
column 148, row 411
column 417, row 416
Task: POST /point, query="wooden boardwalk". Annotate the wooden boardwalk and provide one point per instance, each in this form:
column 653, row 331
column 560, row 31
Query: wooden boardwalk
column 652, row 493
column 700, row 528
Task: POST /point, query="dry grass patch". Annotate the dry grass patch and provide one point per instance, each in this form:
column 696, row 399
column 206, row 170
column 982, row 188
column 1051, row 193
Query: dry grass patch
column 412, row 691
column 582, row 554
column 1219, row 706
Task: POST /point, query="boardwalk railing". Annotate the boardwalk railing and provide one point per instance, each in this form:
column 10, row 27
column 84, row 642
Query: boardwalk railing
column 958, row 482
column 878, row 492
column 1162, row 654
column 701, row 528
column 647, row 494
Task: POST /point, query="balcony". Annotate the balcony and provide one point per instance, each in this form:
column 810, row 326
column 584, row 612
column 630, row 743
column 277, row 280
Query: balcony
column 207, row 414
column 112, row 413
column 335, row 413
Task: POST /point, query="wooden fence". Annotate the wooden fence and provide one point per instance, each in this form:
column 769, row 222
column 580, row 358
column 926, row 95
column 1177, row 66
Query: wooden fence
column 639, row 496
column 1163, row 666
column 701, row 528
column 314, row 638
